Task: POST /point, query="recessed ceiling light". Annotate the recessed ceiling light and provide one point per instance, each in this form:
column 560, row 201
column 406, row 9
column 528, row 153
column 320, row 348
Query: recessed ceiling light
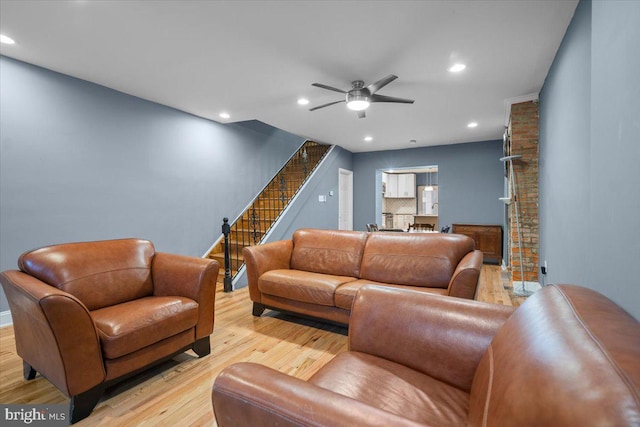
column 368, row 138
column 224, row 115
column 472, row 125
column 456, row 68
column 6, row 40
column 303, row 101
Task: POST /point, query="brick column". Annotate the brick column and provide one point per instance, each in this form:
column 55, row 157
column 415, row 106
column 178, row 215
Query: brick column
column 524, row 141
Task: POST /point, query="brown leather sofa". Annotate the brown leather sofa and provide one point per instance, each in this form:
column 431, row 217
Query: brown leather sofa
column 88, row 314
column 318, row 272
column 567, row 357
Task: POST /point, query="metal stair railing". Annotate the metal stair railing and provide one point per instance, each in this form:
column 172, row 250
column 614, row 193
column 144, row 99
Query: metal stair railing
column 253, row 224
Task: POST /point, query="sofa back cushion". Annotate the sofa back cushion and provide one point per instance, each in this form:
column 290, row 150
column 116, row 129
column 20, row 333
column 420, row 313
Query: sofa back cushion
column 567, row 356
column 338, row 253
column 413, row 259
column 99, row 274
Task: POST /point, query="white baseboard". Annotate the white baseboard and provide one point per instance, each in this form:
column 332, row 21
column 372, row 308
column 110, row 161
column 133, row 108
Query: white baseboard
column 5, row 318
column 529, row 286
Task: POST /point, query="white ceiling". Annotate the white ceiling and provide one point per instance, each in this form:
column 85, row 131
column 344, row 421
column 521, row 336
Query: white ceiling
column 254, row 59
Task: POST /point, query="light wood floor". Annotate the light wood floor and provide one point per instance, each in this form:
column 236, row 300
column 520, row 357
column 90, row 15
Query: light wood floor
column 179, row 391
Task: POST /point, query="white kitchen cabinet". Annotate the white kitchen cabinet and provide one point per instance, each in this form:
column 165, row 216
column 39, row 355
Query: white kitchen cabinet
column 392, row 185
column 407, row 185
column 400, row 185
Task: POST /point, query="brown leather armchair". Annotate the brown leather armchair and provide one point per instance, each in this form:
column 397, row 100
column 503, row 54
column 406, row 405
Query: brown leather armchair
column 567, row 357
column 86, row 315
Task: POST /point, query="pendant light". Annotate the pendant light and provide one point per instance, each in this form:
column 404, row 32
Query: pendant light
column 429, row 187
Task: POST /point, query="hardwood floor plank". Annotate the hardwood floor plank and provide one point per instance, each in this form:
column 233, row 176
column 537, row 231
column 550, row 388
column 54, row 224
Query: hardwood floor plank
column 178, row 392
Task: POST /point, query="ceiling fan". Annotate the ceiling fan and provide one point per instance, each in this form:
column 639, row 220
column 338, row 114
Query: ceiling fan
column 359, row 97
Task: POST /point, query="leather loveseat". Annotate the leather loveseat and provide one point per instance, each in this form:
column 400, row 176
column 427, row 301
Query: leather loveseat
column 88, row 314
column 567, row 357
column 318, row 272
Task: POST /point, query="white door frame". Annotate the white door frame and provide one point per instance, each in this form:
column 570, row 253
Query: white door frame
column 345, row 193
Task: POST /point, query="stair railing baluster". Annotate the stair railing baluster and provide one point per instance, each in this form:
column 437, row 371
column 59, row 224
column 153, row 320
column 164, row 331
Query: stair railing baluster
column 226, row 230
column 283, row 188
column 245, row 230
column 305, row 161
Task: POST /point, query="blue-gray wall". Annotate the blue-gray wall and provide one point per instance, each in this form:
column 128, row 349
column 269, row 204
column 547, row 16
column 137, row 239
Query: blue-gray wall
column 590, row 154
column 470, row 181
column 82, row 162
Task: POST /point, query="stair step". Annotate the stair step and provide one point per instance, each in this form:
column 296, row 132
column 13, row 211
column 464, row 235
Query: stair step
column 242, row 243
column 220, row 255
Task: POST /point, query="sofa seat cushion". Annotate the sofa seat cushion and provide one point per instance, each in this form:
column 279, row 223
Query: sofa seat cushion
column 304, row 286
column 347, row 292
column 130, row 326
column 394, row 388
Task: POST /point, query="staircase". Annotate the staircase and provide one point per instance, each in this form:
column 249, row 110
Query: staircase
column 254, row 223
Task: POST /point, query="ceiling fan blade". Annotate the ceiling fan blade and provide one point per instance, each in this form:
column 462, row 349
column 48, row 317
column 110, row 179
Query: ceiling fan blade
column 320, row 85
column 361, row 114
column 374, row 87
column 382, row 98
column 325, row 105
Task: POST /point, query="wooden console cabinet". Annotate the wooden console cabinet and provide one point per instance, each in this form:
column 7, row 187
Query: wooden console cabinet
column 488, row 239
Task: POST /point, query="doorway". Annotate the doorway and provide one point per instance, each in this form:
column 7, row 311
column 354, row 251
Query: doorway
column 345, row 199
column 408, row 198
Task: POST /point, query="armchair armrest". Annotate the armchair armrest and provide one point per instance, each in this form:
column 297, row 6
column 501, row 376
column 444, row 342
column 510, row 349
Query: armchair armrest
column 191, row 277
column 262, row 258
column 54, row 333
column 464, row 281
column 248, row 394
column 441, row 336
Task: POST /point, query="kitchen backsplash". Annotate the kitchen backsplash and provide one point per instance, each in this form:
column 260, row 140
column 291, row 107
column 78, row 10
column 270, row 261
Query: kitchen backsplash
column 399, row 206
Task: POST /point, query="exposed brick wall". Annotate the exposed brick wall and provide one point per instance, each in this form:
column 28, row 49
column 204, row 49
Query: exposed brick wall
column 524, row 141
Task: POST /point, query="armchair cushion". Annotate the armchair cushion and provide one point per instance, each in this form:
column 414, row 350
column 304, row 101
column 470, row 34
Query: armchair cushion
column 130, row 326
column 248, row 394
column 425, row 332
column 406, row 393
column 119, row 271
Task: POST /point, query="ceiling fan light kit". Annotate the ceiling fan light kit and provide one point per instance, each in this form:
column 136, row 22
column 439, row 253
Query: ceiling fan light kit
column 358, row 104
column 360, row 97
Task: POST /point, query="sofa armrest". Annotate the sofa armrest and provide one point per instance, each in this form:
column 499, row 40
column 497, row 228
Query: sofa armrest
column 191, row 277
column 440, row 336
column 248, row 394
column 464, row 281
column 262, row 258
column 54, row 333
